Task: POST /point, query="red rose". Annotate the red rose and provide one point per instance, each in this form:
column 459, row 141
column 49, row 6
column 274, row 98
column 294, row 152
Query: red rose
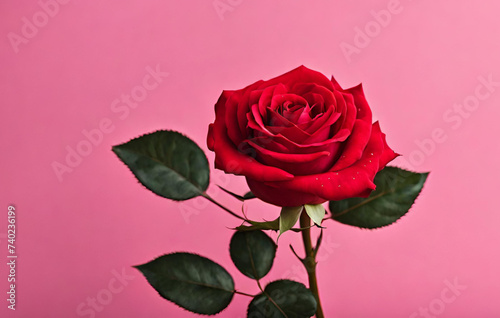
column 299, row 139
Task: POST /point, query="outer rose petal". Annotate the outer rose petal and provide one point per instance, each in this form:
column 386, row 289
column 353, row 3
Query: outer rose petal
column 296, row 164
column 350, row 113
column 360, row 134
column 336, row 85
column 355, row 181
column 292, row 147
column 388, row 155
column 230, row 103
column 283, row 145
column 301, row 75
column 229, row 159
column 281, row 196
column 243, row 106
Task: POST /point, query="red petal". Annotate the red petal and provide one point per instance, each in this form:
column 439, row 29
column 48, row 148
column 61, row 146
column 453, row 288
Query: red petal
column 301, row 75
column 336, row 85
column 267, row 96
column 244, row 107
column 328, row 118
column 355, row 181
column 355, row 144
column 388, row 155
column 296, row 164
column 229, row 159
column 231, row 101
column 210, row 137
column 281, row 197
column 309, row 88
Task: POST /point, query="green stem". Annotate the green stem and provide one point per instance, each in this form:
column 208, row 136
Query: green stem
column 310, row 261
column 244, row 294
column 209, row 198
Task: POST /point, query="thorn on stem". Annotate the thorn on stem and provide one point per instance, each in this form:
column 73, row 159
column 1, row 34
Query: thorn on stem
column 295, row 253
column 318, row 243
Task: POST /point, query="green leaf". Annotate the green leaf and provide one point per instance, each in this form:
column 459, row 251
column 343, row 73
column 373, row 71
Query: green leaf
column 316, row 212
column 247, row 196
column 167, row 163
column 267, row 225
column 283, row 299
column 253, row 253
column 289, row 217
column 396, row 192
column 192, row 282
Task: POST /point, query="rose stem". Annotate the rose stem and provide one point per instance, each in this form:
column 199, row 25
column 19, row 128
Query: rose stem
column 244, row 294
column 209, row 198
column 310, row 261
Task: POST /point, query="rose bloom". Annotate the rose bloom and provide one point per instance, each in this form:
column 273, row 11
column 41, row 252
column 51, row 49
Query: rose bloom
column 299, row 139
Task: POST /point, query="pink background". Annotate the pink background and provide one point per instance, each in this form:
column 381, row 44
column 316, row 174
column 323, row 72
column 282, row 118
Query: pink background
column 74, row 232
